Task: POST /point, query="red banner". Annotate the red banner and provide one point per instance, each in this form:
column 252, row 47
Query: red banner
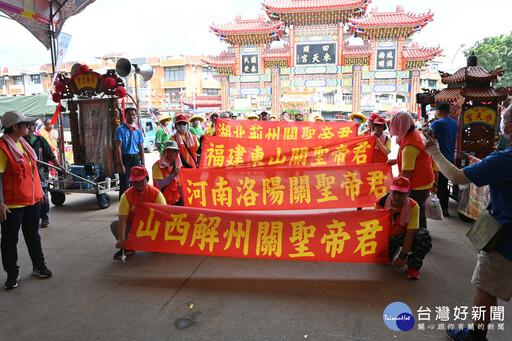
column 225, row 152
column 297, row 188
column 284, row 130
column 354, row 236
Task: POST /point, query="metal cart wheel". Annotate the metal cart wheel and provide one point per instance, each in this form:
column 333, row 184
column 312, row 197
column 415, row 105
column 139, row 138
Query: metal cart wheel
column 103, row 200
column 57, row 198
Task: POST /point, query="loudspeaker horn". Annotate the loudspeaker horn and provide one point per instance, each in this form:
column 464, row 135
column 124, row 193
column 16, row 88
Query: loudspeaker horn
column 124, row 67
column 74, row 69
column 145, row 71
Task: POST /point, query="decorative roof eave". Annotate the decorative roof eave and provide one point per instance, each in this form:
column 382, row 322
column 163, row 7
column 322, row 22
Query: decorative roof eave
column 377, row 19
column 225, row 59
column 472, row 94
column 203, row 101
column 295, row 6
column 314, row 12
column 472, row 73
column 282, row 53
column 415, row 52
column 244, row 31
column 350, row 51
column 383, row 25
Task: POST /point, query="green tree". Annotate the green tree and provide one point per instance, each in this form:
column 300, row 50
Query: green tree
column 493, row 52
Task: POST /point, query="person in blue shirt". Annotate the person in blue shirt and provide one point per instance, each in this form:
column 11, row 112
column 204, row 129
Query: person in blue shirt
column 493, row 272
column 129, row 148
column 446, row 129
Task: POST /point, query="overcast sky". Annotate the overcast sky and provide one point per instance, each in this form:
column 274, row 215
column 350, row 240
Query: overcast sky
column 171, row 27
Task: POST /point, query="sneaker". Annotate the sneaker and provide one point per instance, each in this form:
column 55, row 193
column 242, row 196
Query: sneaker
column 459, row 335
column 12, row 281
column 42, row 272
column 45, row 222
column 413, row 273
column 119, row 253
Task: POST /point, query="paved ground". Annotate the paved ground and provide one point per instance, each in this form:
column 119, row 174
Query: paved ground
column 151, row 296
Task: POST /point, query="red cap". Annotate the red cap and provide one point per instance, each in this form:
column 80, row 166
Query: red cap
column 138, row 173
column 379, row 120
column 399, row 184
column 181, row 118
column 374, row 116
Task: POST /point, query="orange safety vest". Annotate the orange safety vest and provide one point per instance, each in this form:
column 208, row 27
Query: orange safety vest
column 21, row 185
column 185, row 155
column 148, row 194
column 423, row 174
column 170, row 192
column 395, row 229
column 379, row 156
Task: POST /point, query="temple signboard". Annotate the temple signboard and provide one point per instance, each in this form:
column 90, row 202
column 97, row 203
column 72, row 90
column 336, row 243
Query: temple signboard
column 311, row 54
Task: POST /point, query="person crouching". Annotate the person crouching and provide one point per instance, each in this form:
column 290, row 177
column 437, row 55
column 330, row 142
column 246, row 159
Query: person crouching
column 407, row 242
column 140, row 191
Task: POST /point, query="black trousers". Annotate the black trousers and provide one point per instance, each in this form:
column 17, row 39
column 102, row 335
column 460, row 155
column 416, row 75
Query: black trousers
column 442, row 191
column 129, row 161
column 420, row 197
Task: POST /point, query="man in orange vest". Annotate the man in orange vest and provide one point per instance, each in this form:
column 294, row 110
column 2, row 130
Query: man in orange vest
column 166, row 172
column 20, row 198
column 187, row 143
column 140, row 191
column 408, row 244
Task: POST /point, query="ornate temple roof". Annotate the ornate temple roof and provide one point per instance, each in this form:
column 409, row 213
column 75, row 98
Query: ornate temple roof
column 387, row 25
column 356, row 50
column 277, row 53
column 203, row 101
column 249, row 31
column 416, row 52
column 225, row 59
column 314, row 12
column 472, row 73
column 474, row 94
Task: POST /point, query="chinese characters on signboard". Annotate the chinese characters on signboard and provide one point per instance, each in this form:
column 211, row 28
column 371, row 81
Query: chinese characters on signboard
column 308, row 54
column 250, row 63
column 386, row 59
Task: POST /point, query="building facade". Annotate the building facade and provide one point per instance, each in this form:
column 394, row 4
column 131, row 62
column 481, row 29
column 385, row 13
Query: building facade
column 178, row 82
column 312, row 55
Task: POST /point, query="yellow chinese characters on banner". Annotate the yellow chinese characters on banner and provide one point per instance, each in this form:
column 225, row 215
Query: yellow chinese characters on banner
column 275, row 188
column 355, row 236
column 481, row 114
column 220, row 152
column 285, row 131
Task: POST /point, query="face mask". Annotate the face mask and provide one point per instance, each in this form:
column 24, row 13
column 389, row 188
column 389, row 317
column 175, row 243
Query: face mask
column 181, row 127
column 502, row 129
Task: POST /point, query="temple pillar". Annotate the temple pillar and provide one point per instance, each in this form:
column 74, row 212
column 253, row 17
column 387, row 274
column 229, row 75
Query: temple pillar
column 356, row 88
column 276, row 91
column 224, row 93
column 415, row 88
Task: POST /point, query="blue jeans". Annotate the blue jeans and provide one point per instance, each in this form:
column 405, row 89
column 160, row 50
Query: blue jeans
column 28, row 218
column 45, row 207
column 129, row 161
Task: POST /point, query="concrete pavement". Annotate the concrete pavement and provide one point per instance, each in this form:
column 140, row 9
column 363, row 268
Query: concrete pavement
column 179, row 297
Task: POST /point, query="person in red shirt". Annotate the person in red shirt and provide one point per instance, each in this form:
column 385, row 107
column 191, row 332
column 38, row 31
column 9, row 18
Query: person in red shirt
column 140, row 191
